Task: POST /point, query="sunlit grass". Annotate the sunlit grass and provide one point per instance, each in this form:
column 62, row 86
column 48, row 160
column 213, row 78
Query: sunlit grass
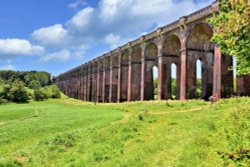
column 70, row 132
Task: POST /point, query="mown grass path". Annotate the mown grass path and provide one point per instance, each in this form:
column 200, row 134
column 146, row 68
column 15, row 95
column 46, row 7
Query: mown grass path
column 69, row 132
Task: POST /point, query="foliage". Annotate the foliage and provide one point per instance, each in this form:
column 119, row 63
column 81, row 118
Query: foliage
column 199, row 87
column 173, row 88
column 233, row 32
column 40, row 95
column 34, row 84
column 26, row 77
column 69, row 132
column 13, row 86
column 237, row 152
column 15, row 92
column 155, row 82
column 47, row 92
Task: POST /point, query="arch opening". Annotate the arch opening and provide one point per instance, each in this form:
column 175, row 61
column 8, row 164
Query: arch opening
column 155, row 81
column 199, row 78
column 173, row 81
column 234, row 76
column 151, row 63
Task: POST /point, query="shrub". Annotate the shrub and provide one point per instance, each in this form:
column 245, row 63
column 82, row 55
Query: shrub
column 3, row 101
column 47, row 92
column 34, row 84
column 55, row 92
column 40, row 95
column 15, row 92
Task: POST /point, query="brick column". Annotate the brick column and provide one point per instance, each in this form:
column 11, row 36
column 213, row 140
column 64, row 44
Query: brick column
column 103, row 84
column 98, row 84
column 217, row 72
column 142, row 71
column 119, row 78
column 130, row 75
column 111, row 80
column 160, row 77
column 88, row 87
column 85, row 85
column 183, row 74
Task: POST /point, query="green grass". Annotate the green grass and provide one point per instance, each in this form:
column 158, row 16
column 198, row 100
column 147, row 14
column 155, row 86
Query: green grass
column 68, row 132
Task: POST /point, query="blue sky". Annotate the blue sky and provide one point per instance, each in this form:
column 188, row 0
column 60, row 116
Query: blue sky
column 57, row 35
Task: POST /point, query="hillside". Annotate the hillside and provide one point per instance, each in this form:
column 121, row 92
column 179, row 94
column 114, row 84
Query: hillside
column 68, row 132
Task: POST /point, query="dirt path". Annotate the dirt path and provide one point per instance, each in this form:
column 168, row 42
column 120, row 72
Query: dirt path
column 127, row 115
column 181, row 111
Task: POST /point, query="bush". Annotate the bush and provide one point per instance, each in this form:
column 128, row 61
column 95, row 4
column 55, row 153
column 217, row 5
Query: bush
column 47, row 92
column 15, row 92
column 34, row 85
column 40, row 95
column 3, row 101
column 55, row 92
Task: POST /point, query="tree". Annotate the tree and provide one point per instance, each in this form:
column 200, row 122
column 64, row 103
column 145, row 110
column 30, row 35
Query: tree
column 34, row 85
column 232, row 31
column 15, row 92
column 55, row 92
column 40, row 95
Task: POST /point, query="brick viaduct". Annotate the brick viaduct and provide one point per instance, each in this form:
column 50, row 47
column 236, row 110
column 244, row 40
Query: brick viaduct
column 125, row 74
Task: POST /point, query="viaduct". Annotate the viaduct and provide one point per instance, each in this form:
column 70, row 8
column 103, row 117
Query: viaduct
column 125, row 74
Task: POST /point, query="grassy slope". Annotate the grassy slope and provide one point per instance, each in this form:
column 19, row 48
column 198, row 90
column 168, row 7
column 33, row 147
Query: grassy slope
column 69, row 132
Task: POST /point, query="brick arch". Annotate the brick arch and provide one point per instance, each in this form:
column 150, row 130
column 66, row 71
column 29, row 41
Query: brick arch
column 151, row 51
column 200, row 36
column 136, row 54
column 172, row 45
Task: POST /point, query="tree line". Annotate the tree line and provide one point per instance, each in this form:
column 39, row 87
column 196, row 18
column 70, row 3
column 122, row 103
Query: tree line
column 19, row 86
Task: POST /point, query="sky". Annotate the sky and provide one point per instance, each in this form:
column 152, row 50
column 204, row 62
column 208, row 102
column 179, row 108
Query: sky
column 58, row 35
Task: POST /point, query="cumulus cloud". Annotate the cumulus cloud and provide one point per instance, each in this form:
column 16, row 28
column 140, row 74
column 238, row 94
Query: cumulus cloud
column 81, row 19
column 18, row 47
column 112, row 22
column 54, row 36
column 7, row 67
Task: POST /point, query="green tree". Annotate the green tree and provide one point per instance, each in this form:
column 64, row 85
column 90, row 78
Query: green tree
column 55, row 92
column 15, row 92
column 34, row 85
column 232, row 31
column 40, row 95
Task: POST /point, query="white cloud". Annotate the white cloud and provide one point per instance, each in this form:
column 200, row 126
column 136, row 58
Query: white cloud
column 112, row 22
column 55, row 36
column 77, row 4
column 81, row 19
column 19, row 47
column 7, row 67
column 62, row 55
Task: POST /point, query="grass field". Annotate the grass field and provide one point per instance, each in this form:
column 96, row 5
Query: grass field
column 68, row 132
